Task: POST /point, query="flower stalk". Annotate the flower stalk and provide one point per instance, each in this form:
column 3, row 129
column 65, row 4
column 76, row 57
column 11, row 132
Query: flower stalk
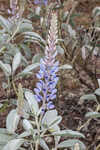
column 45, row 90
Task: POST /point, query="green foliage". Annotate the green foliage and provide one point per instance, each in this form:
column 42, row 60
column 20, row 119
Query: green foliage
column 71, row 143
column 17, row 61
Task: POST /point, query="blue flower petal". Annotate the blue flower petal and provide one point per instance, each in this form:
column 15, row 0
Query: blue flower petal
column 54, row 91
column 39, row 86
column 45, row 2
column 38, row 75
column 54, row 70
column 52, row 96
column 39, row 98
column 48, row 98
column 42, row 67
column 50, row 105
column 36, row 90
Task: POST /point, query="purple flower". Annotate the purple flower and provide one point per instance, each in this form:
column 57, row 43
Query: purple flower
column 45, row 2
column 50, row 105
column 45, row 90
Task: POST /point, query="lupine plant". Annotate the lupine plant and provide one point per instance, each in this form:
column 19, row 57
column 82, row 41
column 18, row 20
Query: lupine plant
column 37, row 113
column 45, row 90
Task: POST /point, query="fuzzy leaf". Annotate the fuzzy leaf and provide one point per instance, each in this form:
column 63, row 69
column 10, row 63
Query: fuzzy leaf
column 1, row 105
column 70, row 143
column 4, row 23
column 5, row 136
column 6, row 68
column 57, row 138
column 97, row 92
column 93, row 114
column 24, row 134
column 33, row 35
column 51, row 119
column 43, row 144
column 14, row 144
column 36, row 58
column 12, row 121
column 59, row 49
column 16, row 61
column 96, row 11
column 27, row 125
column 28, row 69
column 26, row 50
column 98, row 82
column 83, row 50
column 25, row 26
column 32, row 102
column 69, row 133
column 88, row 97
column 66, row 66
column 71, row 31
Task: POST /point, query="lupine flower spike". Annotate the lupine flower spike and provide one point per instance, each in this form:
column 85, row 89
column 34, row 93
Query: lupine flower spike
column 45, row 2
column 45, row 90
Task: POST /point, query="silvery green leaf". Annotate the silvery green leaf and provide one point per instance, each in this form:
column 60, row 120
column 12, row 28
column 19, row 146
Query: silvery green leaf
column 4, row 23
column 12, row 121
column 57, row 129
column 27, row 125
column 59, row 49
column 88, row 97
column 25, row 26
column 26, row 50
column 64, row 26
column 93, row 114
column 98, row 82
column 70, row 143
column 97, row 92
column 69, row 133
column 34, row 35
column 14, row 144
column 51, row 119
column 43, row 144
column 3, row 131
column 1, row 146
column 16, row 61
column 32, row 102
column 6, row 68
column 28, row 69
column 22, row 148
column 60, row 40
column 36, row 58
column 71, row 31
column 65, row 15
column 83, row 50
column 77, row 146
column 24, row 61
column 4, row 85
column 24, row 134
column 34, row 40
column 1, row 105
column 66, row 66
column 5, row 136
column 37, row 10
column 96, row 11
column 56, row 121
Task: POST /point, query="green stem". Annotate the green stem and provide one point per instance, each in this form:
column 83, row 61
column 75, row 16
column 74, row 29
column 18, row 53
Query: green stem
column 38, row 128
column 14, row 87
column 8, row 93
